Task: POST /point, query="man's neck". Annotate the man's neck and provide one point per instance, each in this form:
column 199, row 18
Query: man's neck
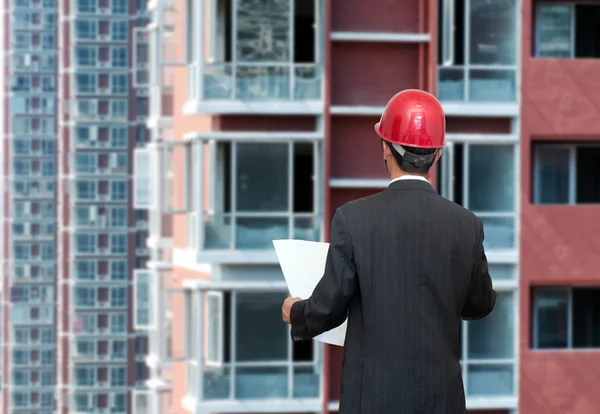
column 401, row 175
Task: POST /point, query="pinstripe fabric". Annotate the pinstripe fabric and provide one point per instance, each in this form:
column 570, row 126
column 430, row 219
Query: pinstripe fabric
column 404, row 265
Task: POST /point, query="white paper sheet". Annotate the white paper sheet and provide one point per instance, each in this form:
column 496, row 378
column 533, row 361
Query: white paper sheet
column 303, row 264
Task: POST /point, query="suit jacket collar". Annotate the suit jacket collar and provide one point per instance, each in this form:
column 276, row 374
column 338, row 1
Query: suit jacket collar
column 411, row 185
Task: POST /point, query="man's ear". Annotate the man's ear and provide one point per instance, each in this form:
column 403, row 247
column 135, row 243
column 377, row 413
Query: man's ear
column 386, row 150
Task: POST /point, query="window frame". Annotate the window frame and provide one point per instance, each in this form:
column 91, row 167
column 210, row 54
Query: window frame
column 211, row 172
column 572, row 149
column 448, row 169
column 537, row 34
column 217, row 362
column 169, row 177
column 448, row 44
column 151, row 280
column 137, row 394
column 197, row 341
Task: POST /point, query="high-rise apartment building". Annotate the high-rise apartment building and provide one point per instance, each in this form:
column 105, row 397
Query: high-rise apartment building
column 29, row 206
column 102, row 239
column 73, row 118
column 267, row 130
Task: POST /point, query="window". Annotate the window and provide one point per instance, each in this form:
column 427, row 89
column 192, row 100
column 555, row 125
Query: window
column 478, row 54
column 48, row 41
column 118, row 217
column 21, row 378
column 47, row 378
column 566, row 318
column 252, row 203
column 118, row 137
column 118, row 350
column 566, row 174
column 85, row 162
column 85, row 376
column 47, row 357
column 86, row 6
column 118, row 190
column 280, row 64
column 118, row 376
column 86, row 56
column 85, row 243
column 119, row 403
column 118, row 297
column 118, row 270
column 262, row 347
column 488, row 354
column 118, row 83
column 118, row 243
column 86, row 29
column 120, row 6
column 85, row 296
column 119, row 57
column 567, row 30
column 86, row 83
column 118, row 108
column 47, row 399
column 118, row 321
column 143, row 163
column 119, row 30
column 85, row 348
column 142, row 296
column 491, row 187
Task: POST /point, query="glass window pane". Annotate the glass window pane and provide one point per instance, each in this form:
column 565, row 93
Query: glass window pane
column 554, row 30
column 552, row 175
column 259, row 233
column 492, row 178
column 263, row 31
column 260, row 335
column 262, row 177
column 451, row 85
column 493, row 32
column 490, row 380
column 261, row 383
column 502, row 271
column 493, row 337
column 217, row 232
column 306, row 382
column 487, row 85
column 499, row 232
column 216, row 383
column 551, row 318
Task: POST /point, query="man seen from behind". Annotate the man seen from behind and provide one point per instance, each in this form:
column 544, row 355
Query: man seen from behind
column 405, row 266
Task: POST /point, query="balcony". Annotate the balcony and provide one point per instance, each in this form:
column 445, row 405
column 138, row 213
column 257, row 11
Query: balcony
column 246, row 364
column 245, row 73
column 477, row 75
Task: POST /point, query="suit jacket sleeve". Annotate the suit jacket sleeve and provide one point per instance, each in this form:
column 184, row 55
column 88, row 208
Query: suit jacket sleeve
column 481, row 298
column 327, row 308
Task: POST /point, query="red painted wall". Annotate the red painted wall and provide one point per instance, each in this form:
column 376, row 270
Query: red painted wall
column 559, row 244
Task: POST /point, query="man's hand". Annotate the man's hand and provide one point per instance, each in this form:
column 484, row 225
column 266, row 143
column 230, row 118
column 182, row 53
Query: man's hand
column 287, row 308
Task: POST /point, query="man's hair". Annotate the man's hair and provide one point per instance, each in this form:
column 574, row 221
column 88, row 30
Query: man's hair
column 407, row 166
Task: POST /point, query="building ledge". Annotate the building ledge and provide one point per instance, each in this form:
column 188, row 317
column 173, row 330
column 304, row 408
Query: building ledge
column 218, row 107
column 475, row 109
column 479, row 403
column 381, row 37
column 252, row 406
column 359, row 183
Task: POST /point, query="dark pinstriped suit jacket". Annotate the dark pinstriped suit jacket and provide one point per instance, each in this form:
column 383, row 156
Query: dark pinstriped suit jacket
column 404, row 265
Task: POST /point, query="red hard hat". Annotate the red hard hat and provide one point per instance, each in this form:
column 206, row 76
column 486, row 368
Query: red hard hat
column 414, row 118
